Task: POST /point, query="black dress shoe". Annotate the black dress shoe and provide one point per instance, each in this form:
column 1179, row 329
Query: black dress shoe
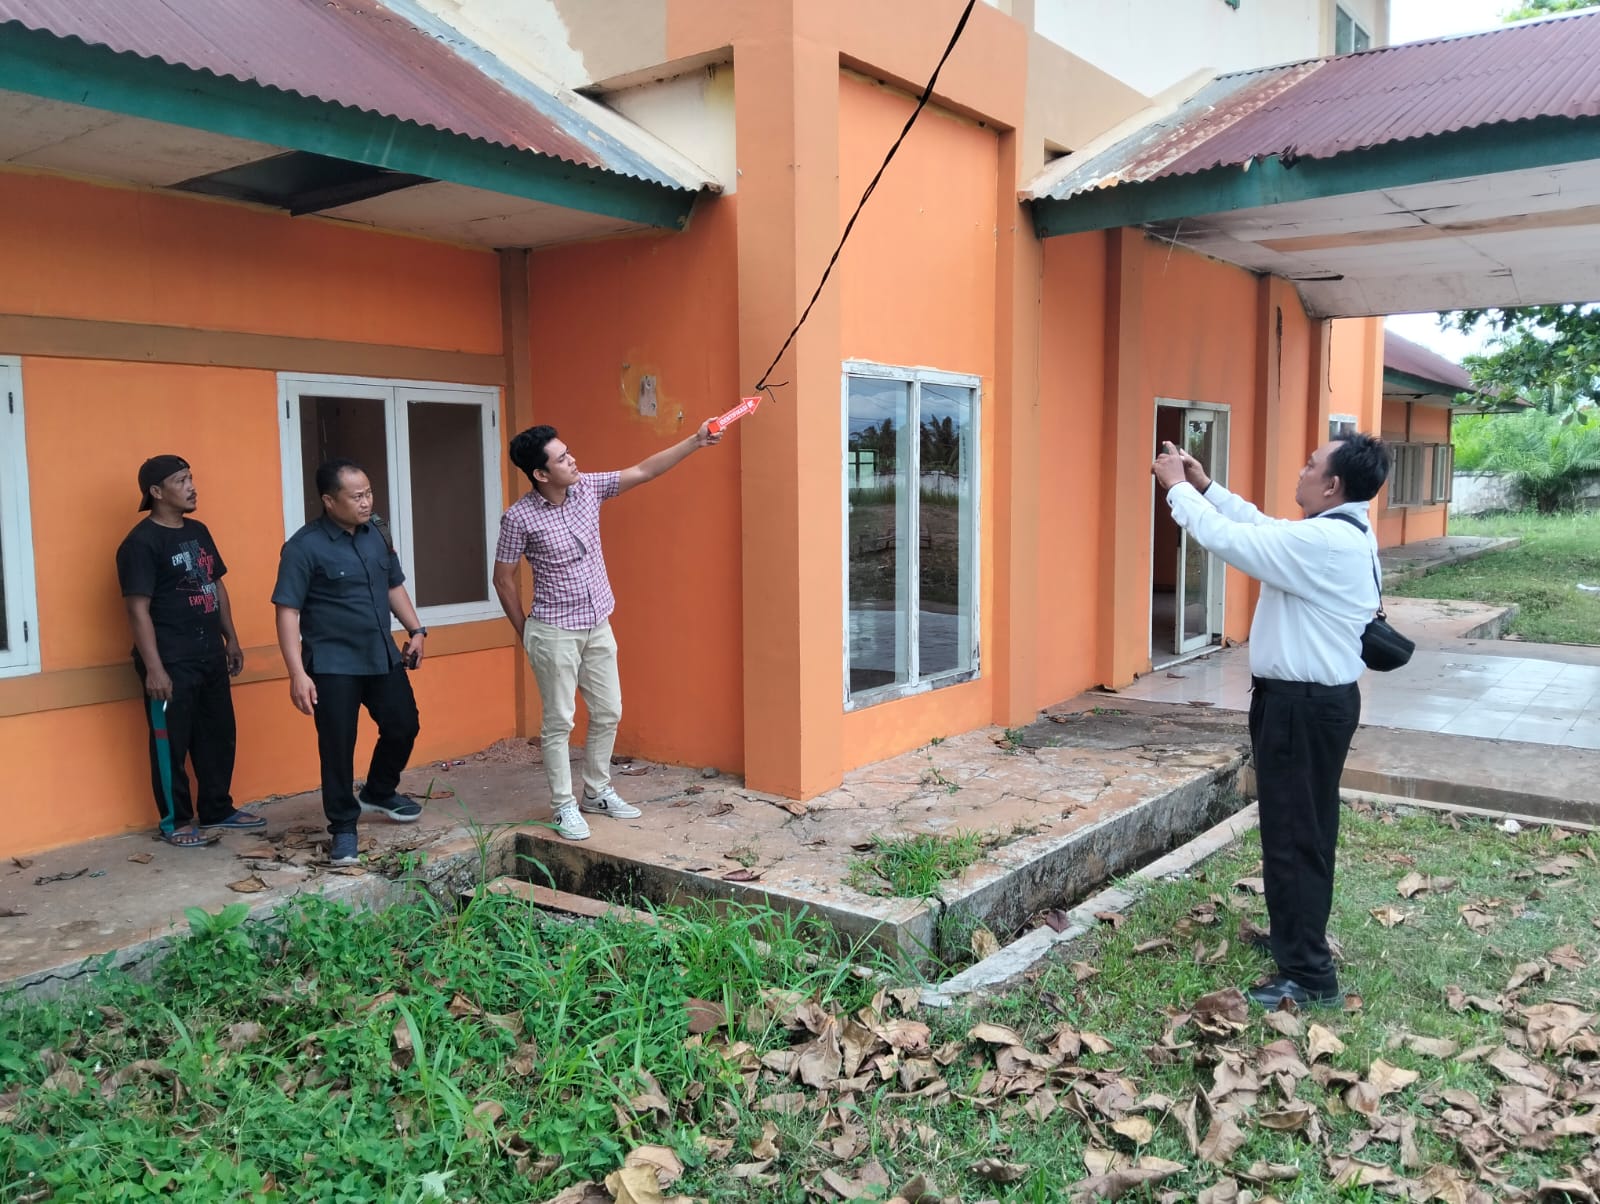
column 1271, row 995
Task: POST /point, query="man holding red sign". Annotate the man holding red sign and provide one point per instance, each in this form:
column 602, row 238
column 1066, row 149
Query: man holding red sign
column 567, row 632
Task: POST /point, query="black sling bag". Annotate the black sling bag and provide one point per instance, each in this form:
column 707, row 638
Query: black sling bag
column 1382, row 647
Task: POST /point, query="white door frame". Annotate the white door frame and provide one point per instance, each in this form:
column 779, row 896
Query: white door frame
column 1216, row 594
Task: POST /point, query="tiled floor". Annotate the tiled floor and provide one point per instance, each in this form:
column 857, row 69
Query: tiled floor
column 1455, row 691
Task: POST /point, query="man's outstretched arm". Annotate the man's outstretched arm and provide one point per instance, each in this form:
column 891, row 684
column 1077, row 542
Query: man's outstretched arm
column 651, row 468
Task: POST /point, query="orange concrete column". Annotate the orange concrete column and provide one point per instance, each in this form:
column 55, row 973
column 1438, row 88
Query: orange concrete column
column 1269, row 448
column 786, row 96
column 1018, row 280
column 1129, row 436
column 516, row 414
column 1319, row 396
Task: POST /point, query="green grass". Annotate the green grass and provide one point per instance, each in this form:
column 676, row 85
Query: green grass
column 912, row 867
column 1558, row 551
column 497, row 1054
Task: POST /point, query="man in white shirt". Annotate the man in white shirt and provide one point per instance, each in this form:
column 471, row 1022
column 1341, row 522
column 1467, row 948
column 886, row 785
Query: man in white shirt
column 1319, row 590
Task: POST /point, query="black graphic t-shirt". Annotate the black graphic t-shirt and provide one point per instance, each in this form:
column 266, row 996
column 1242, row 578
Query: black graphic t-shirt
column 177, row 568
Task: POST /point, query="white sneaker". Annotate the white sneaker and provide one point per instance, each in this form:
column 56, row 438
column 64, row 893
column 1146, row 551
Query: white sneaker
column 609, row 802
column 570, row 823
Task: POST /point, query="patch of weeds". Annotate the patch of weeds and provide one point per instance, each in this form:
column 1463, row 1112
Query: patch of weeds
column 934, row 776
column 349, row 1056
column 1011, row 740
column 912, row 867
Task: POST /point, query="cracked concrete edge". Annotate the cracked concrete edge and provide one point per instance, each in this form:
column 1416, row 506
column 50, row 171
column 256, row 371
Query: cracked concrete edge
column 445, row 870
column 1005, row 967
column 1402, row 800
column 1491, row 800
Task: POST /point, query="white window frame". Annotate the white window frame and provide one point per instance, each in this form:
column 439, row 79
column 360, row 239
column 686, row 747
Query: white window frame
column 396, row 395
column 1356, row 28
column 1444, row 470
column 21, row 617
column 916, row 377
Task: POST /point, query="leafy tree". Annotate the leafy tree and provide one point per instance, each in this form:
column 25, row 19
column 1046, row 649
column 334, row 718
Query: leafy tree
column 1546, row 354
column 1546, row 8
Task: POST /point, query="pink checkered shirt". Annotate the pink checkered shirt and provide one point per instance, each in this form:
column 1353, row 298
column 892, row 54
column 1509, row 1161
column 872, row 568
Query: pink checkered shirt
column 570, row 587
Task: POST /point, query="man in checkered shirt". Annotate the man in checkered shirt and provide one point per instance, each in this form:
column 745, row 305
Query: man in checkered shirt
column 567, row 633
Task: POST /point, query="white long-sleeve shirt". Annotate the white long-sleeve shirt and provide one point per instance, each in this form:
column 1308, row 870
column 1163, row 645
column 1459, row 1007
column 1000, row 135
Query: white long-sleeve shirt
column 1316, row 574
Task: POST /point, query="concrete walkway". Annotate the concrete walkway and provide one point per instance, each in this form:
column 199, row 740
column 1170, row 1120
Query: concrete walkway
column 1506, row 690
column 1426, row 555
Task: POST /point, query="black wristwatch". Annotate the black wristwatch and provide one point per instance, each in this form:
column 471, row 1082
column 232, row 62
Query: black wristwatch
column 417, row 632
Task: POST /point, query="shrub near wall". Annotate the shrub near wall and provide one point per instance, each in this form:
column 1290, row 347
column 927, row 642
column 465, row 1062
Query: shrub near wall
column 1549, row 464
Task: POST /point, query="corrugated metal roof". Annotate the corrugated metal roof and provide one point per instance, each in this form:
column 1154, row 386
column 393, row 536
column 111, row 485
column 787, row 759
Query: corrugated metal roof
column 1327, row 107
column 1413, row 359
column 356, row 53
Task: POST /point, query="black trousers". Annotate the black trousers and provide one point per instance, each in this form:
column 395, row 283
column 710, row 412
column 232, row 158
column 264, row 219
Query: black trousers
column 200, row 730
column 1300, row 735
column 393, row 707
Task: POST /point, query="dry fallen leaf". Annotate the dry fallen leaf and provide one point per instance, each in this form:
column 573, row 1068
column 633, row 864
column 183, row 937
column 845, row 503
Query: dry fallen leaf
column 993, row 1170
column 1256, row 886
column 705, row 1016
column 1116, row 1184
column 984, row 943
column 1389, row 916
column 1221, row 1013
column 663, row 1161
column 1223, row 1140
column 248, row 886
column 143, row 858
column 1415, row 884
column 1136, row 1129
column 1390, row 1079
column 1432, row 1047
column 995, row 1034
column 1320, row 1042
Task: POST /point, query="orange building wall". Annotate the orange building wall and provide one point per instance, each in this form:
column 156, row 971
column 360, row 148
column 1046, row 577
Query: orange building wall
column 77, row 250
column 917, row 289
column 603, row 315
column 1073, row 477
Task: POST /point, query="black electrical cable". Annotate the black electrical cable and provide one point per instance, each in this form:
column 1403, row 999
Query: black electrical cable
column 850, row 225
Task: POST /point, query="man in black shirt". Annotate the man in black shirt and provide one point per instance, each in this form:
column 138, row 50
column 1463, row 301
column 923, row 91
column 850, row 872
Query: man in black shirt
column 339, row 580
column 185, row 650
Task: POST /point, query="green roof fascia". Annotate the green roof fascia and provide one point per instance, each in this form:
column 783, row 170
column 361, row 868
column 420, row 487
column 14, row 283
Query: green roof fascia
column 1483, row 150
column 66, row 69
column 1407, row 383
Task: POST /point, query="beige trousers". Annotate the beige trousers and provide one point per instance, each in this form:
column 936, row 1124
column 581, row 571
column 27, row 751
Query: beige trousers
column 565, row 663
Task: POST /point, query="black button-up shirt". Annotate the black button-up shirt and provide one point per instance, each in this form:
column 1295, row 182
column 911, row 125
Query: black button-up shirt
column 339, row 581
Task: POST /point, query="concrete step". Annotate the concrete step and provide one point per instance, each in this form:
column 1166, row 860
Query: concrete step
column 1545, row 781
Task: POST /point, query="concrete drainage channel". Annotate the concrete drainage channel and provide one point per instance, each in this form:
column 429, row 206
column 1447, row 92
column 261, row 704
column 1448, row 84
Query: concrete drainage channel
column 1012, row 884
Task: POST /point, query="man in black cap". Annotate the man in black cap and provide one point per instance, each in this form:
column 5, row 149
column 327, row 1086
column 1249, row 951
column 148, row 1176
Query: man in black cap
column 184, row 649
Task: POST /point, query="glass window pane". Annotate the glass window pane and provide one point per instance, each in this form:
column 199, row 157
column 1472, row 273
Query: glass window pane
column 1363, row 40
column 877, row 465
column 448, row 542
column 1343, row 32
column 347, row 428
column 945, row 577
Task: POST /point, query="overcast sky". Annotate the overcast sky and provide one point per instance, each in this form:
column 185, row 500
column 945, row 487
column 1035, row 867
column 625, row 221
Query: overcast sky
column 1410, row 21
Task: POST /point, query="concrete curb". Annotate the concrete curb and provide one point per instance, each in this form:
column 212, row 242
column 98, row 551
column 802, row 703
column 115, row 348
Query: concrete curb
column 1003, row 968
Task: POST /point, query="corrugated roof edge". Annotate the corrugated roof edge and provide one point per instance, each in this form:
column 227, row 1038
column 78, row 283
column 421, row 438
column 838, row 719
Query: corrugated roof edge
column 662, row 178
column 626, row 139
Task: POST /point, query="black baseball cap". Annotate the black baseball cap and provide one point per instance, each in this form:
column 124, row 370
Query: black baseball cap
column 155, row 470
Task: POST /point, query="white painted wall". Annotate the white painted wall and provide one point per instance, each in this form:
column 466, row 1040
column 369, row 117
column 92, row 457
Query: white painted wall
column 1150, row 45
column 693, row 114
column 527, row 35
